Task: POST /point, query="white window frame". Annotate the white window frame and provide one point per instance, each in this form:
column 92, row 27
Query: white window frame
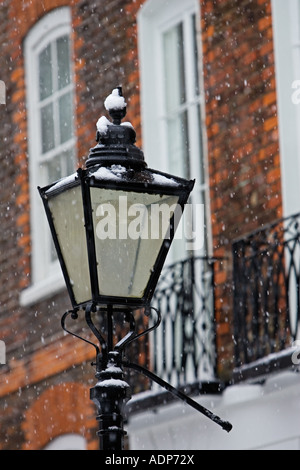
column 67, row 442
column 286, row 33
column 46, row 275
column 154, row 18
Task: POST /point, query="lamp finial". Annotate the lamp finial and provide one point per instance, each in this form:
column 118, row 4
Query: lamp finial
column 116, row 106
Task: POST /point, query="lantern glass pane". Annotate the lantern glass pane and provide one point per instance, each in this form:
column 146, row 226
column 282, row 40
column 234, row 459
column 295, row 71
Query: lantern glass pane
column 68, row 219
column 130, row 229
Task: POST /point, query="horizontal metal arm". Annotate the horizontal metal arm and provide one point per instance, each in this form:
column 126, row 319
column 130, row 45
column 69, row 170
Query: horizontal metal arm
column 216, row 419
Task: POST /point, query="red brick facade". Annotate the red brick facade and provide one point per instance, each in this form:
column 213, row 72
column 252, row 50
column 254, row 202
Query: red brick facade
column 242, row 134
column 70, row 400
column 244, row 180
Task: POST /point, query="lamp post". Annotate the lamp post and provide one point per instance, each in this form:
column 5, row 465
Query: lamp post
column 112, row 224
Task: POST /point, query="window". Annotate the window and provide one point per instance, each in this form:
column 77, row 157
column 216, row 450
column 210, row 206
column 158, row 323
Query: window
column 50, row 93
column 286, row 28
column 178, row 106
column 286, row 32
column 172, row 98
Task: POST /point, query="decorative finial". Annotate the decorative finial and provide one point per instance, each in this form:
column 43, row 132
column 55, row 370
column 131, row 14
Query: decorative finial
column 115, row 140
column 116, row 106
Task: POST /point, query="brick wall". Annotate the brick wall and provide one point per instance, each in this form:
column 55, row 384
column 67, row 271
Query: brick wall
column 38, row 353
column 242, row 134
column 241, row 131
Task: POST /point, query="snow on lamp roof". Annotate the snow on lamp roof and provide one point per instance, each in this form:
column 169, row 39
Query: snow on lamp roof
column 102, row 125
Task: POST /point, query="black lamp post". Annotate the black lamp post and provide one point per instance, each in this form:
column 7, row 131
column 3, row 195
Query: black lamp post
column 112, row 224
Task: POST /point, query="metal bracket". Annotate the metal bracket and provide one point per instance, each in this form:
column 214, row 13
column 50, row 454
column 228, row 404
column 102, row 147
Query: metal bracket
column 107, row 347
column 74, row 316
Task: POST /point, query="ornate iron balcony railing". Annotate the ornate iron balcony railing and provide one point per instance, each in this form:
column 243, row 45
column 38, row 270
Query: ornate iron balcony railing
column 182, row 349
column 266, row 290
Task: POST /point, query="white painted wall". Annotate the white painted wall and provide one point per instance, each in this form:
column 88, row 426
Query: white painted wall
column 286, row 32
column 263, row 417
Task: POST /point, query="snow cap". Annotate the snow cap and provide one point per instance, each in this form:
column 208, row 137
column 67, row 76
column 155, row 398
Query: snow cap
column 102, row 125
column 115, row 100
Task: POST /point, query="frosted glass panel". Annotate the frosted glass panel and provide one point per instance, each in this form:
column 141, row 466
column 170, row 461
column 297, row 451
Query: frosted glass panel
column 129, row 234
column 67, row 212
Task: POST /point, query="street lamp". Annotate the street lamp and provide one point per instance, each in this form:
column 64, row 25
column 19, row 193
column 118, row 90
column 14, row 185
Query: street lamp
column 112, row 224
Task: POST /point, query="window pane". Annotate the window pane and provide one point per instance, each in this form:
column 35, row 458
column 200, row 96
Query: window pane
column 68, row 159
column 65, row 117
column 47, row 125
column 45, row 73
column 59, row 166
column 178, row 143
column 63, row 62
column 174, row 67
column 200, row 143
column 196, row 56
column 54, row 172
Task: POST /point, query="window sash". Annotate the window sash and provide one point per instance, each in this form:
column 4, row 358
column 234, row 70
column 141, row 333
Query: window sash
column 55, row 94
column 52, row 148
column 181, row 109
column 162, row 121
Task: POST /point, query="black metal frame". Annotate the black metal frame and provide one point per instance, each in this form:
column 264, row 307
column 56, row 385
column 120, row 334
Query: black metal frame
column 134, row 183
column 111, row 393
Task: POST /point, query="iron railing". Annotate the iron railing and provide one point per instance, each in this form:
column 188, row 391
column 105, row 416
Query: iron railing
column 266, row 290
column 182, row 349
